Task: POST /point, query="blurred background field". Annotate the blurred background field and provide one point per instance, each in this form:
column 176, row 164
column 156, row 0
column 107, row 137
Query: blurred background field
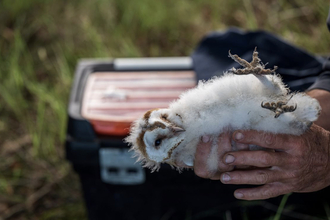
column 40, row 43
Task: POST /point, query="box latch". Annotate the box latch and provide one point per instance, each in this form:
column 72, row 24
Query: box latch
column 118, row 167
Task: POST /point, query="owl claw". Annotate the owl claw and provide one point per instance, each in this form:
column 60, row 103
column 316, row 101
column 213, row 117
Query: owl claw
column 255, row 67
column 279, row 107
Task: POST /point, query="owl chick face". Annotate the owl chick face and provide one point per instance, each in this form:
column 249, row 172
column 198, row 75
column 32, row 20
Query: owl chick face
column 158, row 136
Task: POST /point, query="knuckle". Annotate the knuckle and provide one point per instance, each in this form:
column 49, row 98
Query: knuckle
column 301, row 148
column 270, row 139
column 262, row 178
column 299, row 151
column 296, row 162
column 269, row 193
column 265, row 159
column 294, row 174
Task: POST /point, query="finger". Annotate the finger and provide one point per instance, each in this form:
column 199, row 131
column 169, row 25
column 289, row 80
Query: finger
column 262, row 192
column 255, row 158
column 252, row 177
column 263, row 139
column 202, row 153
column 224, row 146
column 225, row 141
column 241, row 146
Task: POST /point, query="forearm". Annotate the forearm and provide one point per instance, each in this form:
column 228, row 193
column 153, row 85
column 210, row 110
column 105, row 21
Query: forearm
column 323, row 97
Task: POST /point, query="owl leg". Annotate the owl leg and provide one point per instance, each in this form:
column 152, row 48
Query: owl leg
column 255, row 67
column 239, row 60
column 279, row 107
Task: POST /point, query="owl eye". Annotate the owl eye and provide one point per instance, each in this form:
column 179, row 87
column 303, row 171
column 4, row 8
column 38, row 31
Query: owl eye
column 158, row 142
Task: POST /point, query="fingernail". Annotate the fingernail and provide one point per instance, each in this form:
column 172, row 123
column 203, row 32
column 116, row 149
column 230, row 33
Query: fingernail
column 205, row 138
column 239, row 136
column 238, row 195
column 230, row 158
column 225, row 177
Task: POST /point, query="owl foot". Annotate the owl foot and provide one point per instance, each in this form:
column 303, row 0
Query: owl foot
column 279, row 107
column 255, row 67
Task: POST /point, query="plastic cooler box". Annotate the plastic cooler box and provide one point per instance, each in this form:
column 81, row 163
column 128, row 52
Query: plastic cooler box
column 106, row 96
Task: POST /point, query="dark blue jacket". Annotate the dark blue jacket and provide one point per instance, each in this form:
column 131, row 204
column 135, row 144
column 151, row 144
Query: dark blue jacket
column 300, row 70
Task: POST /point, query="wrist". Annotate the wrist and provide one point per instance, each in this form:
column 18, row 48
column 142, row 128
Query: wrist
column 323, row 97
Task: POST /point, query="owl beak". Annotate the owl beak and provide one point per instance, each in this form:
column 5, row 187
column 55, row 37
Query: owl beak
column 177, row 129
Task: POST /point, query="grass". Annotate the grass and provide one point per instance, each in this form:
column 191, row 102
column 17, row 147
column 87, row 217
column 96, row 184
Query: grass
column 40, row 43
column 281, row 207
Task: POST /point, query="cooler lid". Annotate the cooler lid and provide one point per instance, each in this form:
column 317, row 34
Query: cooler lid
column 113, row 100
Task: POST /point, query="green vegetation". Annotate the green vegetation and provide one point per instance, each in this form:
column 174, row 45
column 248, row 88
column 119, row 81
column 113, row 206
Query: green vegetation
column 40, row 43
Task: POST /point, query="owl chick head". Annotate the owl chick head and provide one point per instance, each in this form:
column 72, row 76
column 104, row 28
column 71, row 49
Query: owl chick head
column 155, row 137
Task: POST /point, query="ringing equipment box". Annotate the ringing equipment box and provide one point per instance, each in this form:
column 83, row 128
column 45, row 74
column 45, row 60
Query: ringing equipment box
column 106, row 96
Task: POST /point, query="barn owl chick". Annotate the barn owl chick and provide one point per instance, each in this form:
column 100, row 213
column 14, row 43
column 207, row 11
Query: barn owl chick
column 249, row 98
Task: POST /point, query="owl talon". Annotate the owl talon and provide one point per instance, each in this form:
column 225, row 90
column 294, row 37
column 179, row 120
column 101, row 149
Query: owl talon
column 255, row 67
column 279, row 107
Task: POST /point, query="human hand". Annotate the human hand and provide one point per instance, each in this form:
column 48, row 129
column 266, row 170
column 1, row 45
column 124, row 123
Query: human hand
column 203, row 151
column 299, row 163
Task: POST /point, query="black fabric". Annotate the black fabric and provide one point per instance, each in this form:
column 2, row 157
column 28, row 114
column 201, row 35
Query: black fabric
column 298, row 68
column 322, row 82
